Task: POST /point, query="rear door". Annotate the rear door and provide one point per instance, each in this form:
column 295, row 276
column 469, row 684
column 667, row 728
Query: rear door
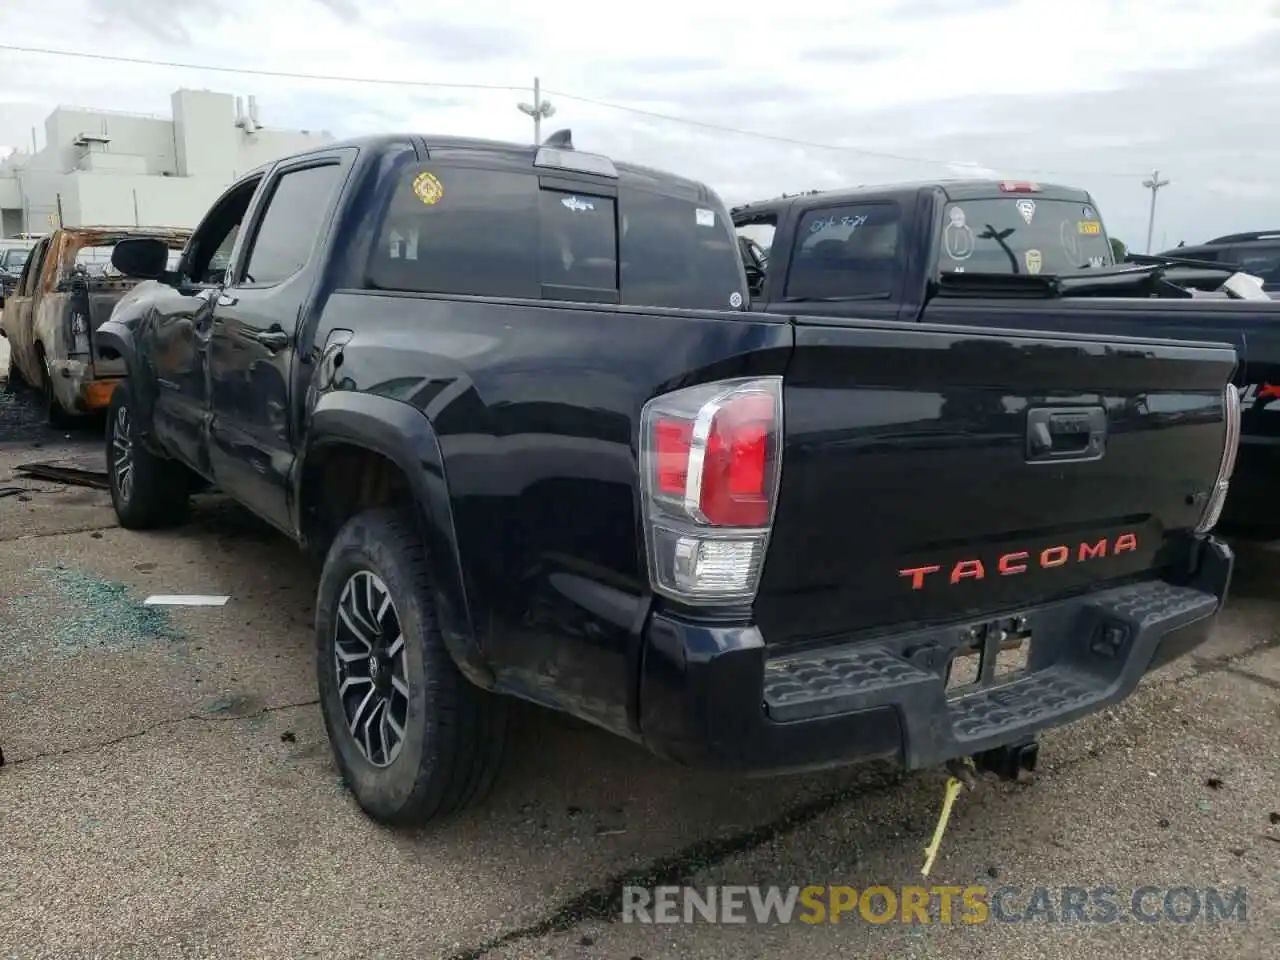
column 931, row 474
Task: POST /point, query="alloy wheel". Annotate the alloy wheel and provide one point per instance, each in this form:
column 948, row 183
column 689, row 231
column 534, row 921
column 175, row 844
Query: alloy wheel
column 372, row 672
column 122, row 454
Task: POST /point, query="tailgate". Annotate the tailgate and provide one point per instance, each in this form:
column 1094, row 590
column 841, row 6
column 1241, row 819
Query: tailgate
column 930, row 474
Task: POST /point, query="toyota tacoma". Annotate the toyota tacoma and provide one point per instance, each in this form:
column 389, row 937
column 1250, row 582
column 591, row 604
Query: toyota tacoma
column 512, row 399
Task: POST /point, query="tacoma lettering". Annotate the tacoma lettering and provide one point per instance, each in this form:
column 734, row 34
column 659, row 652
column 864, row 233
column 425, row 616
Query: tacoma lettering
column 1020, row 561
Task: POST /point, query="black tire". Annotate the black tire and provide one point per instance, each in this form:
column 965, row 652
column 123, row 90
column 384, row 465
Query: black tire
column 153, row 492
column 454, row 732
column 54, row 413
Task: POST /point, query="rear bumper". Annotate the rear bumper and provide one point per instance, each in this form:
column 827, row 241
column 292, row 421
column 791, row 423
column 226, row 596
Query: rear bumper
column 712, row 696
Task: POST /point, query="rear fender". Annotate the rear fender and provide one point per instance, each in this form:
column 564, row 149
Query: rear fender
column 406, row 437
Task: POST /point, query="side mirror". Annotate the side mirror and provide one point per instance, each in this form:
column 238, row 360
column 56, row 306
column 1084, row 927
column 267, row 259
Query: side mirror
column 144, row 258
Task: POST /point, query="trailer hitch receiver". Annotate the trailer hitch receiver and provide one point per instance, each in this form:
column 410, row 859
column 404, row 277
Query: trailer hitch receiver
column 1011, row 762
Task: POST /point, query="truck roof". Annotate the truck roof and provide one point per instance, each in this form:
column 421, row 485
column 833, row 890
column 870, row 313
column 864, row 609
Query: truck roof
column 953, row 189
column 629, row 174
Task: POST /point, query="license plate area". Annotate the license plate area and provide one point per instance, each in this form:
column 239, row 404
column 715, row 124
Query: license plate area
column 991, row 654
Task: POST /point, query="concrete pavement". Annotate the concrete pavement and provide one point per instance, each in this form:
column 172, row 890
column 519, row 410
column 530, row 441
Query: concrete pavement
column 168, row 790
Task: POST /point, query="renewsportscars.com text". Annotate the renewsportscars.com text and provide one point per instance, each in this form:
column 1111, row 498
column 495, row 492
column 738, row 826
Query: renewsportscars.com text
column 935, row 904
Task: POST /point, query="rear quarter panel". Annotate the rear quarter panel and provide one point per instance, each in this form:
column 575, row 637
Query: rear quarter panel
column 536, row 408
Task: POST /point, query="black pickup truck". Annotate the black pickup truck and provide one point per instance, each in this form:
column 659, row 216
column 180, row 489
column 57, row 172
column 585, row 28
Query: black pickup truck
column 1016, row 255
column 512, row 399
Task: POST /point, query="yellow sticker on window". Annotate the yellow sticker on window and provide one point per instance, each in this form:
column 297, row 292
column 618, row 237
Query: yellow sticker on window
column 1090, row 228
column 1033, row 260
column 428, row 187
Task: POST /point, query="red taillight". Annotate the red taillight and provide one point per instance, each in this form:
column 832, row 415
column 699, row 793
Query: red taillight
column 710, row 462
column 1019, row 186
column 735, row 466
column 671, row 446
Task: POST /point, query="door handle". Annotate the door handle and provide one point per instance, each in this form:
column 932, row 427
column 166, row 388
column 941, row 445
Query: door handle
column 273, row 340
column 1056, row 434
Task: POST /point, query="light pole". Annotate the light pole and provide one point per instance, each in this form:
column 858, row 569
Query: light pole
column 539, row 110
column 1154, row 185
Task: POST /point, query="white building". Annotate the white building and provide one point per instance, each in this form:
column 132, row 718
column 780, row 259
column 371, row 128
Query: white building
column 105, row 168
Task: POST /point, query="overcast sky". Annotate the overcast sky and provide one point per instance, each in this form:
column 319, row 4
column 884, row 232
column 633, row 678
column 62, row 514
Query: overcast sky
column 1092, row 93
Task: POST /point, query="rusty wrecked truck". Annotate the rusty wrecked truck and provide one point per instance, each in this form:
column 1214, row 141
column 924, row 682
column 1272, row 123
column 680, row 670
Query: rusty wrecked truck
column 66, row 291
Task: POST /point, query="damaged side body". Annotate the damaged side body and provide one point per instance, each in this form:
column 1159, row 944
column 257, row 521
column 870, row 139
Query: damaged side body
column 66, row 292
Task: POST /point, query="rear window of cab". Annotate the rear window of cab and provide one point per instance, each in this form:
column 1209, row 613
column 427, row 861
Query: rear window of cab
column 473, row 231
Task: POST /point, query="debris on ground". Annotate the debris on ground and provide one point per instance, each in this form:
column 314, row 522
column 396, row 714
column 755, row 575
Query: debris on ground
column 79, row 472
column 90, row 613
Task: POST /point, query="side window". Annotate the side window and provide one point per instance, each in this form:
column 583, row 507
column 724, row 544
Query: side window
column 678, row 251
column 849, row 251
column 31, row 272
column 577, row 245
column 755, row 240
column 459, row 230
column 209, row 249
column 287, row 233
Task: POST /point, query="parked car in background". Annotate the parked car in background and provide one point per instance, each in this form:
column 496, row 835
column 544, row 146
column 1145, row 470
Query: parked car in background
column 1256, row 253
column 512, row 400
column 13, row 257
column 66, row 289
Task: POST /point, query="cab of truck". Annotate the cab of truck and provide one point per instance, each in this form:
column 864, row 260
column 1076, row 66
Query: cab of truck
column 869, row 244
column 1255, row 252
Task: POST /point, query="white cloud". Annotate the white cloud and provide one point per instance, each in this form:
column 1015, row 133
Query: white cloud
column 1086, row 93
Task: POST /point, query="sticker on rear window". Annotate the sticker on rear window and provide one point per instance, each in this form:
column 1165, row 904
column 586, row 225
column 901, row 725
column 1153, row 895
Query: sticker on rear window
column 1028, row 210
column 957, row 237
column 706, row 218
column 1033, row 260
column 577, row 205
column 428, row 187
column 1087, row 212
column 735, row 300
column 1090, row 228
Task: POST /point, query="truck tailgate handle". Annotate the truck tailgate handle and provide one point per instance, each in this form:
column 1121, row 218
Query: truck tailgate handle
column 1057, row 434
